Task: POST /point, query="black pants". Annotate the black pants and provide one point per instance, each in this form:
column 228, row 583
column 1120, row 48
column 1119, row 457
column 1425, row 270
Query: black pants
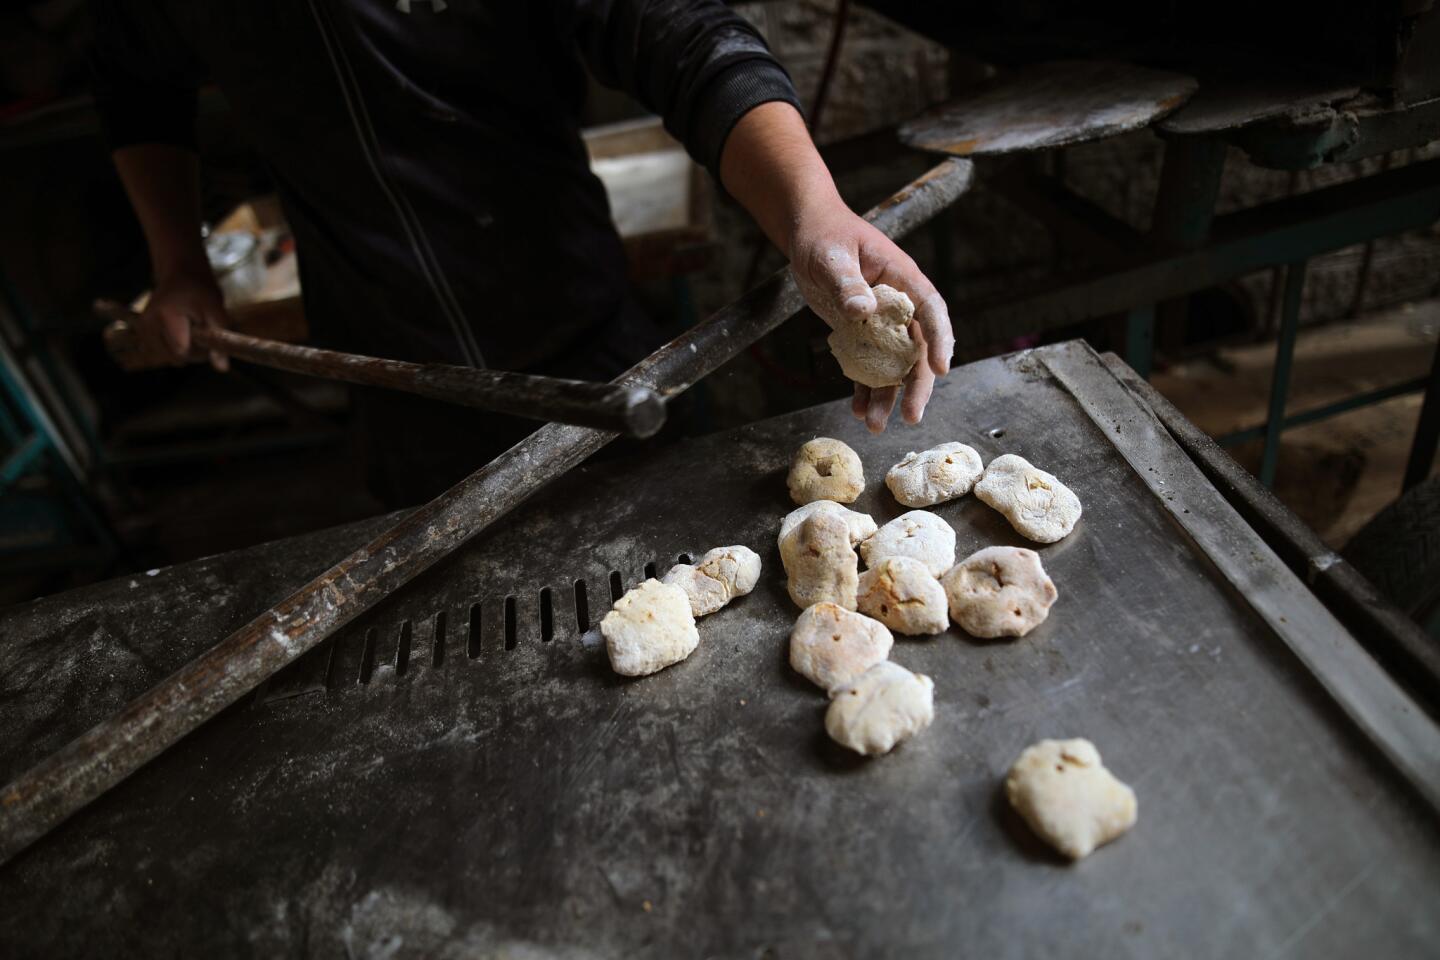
column 416, row 448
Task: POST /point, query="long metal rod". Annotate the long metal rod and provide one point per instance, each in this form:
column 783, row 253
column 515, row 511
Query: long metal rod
column 58, row 786
column 627, row 409
column 1280, row 373
column 1314, row 414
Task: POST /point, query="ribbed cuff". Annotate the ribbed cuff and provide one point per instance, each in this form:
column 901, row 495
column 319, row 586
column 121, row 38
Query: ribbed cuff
column 733, row 93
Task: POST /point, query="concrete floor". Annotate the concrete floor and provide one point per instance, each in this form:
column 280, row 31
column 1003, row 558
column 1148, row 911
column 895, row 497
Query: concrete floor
column 1337, row 473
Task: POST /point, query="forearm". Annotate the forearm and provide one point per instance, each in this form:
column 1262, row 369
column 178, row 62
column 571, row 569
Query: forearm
column 770, row 166
column 163, row 182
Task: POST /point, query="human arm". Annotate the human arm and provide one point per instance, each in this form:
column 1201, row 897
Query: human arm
column 163, row 183
column 709, row 75
column 145, row 95
column 770, row 165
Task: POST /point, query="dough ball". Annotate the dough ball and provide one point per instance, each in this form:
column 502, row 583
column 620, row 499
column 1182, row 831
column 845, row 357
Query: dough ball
column 903, row 595
column 1068, row 797
column 999, row 592
column 649, row 628
column 885, row 705
column 878, row 351
column 1037, row 505
column 919, row 535
column 826, row 469
column 719, row 577
column 859, row 524
column 830, row 646
column 939, row 474
column 820, row 563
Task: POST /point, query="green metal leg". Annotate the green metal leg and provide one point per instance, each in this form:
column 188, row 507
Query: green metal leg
column 1184, row 209
column 1140, row 339
column 1280, row 376
column 1427, row 431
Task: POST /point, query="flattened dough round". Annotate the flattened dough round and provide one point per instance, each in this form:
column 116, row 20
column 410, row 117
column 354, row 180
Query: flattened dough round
column 859, row 524
column 935, row 475
column 825, row 469
column 882, row 707
column 999, row 592
column 1037, row 505
column 649, row 628
column 903, row 595
column 819, row 562
column 719, row 577
column 831, row 646
column 878, row 351
column 1068, row 798
column 919, row 535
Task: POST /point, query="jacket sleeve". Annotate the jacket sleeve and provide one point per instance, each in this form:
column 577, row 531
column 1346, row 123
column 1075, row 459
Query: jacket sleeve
column 696, row 63
column 144, row 85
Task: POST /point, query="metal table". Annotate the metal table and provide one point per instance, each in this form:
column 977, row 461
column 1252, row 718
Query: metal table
column 459, row 771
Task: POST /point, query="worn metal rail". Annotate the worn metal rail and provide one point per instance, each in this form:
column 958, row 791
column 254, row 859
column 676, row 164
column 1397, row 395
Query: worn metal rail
column 628, row 409
column 57, row 787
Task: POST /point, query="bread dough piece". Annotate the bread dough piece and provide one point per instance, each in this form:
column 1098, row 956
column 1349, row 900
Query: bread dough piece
column 919, row 535
column 649, row 628
column 878, row 351
column 830, row 646
column 1068, row 797
column 903, row 595
column 999, row 592
column 859, row 524
column 825, row 469
column 1037, row 505
column 936, row 475
column 885, row 705
column 719, row 577
column 819, row 562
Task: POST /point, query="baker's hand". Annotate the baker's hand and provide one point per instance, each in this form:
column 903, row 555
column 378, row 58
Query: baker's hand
column 179, row 300
column 836, row 257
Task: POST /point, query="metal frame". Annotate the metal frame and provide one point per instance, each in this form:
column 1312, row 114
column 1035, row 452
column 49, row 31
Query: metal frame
column 1137, row 272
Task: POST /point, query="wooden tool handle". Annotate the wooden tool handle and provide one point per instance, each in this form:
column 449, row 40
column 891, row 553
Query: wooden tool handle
column 635, row 411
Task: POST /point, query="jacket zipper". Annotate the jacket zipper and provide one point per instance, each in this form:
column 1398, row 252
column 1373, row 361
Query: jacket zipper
column 404, row 212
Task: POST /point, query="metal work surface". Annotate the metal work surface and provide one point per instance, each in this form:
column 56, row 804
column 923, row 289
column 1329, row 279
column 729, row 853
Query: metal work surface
column 46, row 794
column 1048, row 105
column 388, row 796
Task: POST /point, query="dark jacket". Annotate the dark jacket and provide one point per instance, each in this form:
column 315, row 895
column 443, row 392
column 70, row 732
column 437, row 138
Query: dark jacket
column 427, row 152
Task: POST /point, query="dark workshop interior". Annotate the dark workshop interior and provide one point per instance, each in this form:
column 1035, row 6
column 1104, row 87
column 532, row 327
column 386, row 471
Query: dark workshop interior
column 359, row 357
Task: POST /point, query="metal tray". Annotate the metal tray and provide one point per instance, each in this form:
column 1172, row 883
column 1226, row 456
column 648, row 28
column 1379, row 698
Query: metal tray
column 501, row 790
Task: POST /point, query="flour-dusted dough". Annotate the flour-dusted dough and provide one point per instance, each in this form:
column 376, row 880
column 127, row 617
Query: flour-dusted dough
column 878, row 351
column 1037, row 505
column 719, row 577
column 920, row 535
column 831, row 646
column 903, row 595
column 999, row 592
column 883, row 706
column 649, row 628
column 935, row 475
column 860, row 525
column 1068, row 798
column 819, row 562
column 825, row 469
